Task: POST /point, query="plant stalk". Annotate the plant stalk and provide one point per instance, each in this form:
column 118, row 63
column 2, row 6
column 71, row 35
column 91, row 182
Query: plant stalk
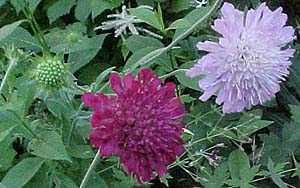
column 90, row 170
column 9, row 69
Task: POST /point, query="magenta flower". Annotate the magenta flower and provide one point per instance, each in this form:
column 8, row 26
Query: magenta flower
column 250, row 60
column 141, row 124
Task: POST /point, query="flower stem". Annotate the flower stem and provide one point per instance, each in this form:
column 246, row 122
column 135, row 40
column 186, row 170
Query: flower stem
column 172, row 73
column 9, row 69
column 156, row 53
column 34, row 25
column 90, row 170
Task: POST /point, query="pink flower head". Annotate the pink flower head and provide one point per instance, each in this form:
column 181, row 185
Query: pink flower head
column 250, row 60
column 141, row 124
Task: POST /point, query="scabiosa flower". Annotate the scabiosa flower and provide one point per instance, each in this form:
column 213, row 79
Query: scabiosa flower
column 141, row 124
column 248, row 63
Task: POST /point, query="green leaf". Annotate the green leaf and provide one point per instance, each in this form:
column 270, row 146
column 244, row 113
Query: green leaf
column 190, row 20
column 2, row 186
column 83, row 10
column 98, row 6
column 137, row 42
column 50, row 147
column 179, row 5
column 165, row 179
column 21, row 38
column 138, row 55
column 7, row 124
column 295, row 111
column 5, row 131
column 20, row 174
column 82, row 52
column 6, row 30
column 218, row 179
column 275, row 177
column 32, row 4
column 297, row 165
column 81, row 151
column 7, row 153
column 58, row 107
column 96, row 181
column 100, row 78
column 186, row 81
column 240, row 171
column 290, row 132
column 179, row 24
column 59, row 9
column 148, row 17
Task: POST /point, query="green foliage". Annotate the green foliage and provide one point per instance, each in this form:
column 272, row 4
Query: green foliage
column 50, row 146
column 240, row 171
column 59, row 9
column 24, row 170
column 44, row 133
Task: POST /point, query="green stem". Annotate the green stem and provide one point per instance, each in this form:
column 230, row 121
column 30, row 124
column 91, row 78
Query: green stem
column 221, row 133
column 73, row 124
column 34, row 25
column 9, row 69
column 156, row 53
column 90, row 170
column 267, row 177
column 172, row 73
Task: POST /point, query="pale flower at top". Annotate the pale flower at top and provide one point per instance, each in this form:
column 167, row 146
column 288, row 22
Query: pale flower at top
column 250, row 60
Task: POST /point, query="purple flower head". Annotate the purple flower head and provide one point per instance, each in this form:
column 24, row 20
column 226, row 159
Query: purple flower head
column 250, row 60
column 142, row 124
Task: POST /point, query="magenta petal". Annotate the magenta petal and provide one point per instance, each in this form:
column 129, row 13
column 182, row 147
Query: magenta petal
column 115, row 82
column 107, row 149
column 90, row 100
column 140, row 120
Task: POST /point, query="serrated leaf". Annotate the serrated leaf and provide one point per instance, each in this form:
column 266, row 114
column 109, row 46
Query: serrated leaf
column 50, row 147
column 240, row 172
column 275, row 177
column 59, row 9
column 218, row 179
column 20, row 174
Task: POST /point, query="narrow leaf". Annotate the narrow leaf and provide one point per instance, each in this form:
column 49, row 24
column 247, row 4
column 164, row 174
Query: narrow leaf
column 275, row 177
column 20, row 174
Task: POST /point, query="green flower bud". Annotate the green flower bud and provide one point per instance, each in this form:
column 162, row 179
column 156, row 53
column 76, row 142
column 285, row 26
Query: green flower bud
column 51, row 73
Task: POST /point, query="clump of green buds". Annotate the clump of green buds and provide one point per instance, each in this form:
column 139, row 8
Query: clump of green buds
column 51, row 73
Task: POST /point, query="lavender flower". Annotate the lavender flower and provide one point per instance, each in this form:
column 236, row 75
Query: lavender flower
column 250, row 60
